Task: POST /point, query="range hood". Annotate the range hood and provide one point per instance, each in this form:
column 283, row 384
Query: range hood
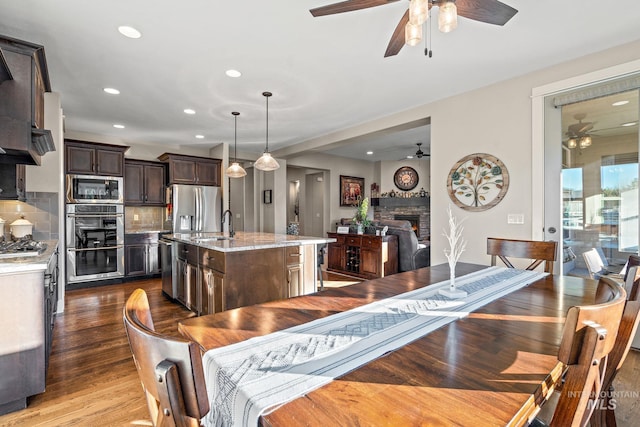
column 22, row 143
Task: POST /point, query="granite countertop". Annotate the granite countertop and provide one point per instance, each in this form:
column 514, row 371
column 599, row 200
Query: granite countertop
column 28, row 263
column 144, row 231
column 245, row 241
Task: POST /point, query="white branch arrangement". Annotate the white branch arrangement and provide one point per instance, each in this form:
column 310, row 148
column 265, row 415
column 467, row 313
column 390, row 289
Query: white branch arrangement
column 457, row 245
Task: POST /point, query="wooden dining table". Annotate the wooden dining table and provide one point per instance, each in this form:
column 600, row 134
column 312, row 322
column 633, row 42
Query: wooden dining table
column 491, row 368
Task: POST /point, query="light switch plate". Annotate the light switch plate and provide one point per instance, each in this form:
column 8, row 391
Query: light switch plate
column 515, row 219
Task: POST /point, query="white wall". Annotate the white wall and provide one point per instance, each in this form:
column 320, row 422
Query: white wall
column 500, row 117
column 388, row 168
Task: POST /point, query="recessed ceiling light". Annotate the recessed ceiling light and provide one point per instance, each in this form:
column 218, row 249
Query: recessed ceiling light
column 369, row 153
column 117, row 126
column 111, row 91
column 233, row 73
column 189, row 111
column 619, row 103
column 200, row 136
column 409, row 157
column 629, row 124
column 130, row 32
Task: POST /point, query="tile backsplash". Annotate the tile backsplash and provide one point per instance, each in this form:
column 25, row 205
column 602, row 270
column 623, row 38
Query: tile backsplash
column 41, row 209
column 144, row 218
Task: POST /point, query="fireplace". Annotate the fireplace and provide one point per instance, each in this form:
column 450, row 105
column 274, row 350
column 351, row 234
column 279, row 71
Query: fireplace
column 413, row 219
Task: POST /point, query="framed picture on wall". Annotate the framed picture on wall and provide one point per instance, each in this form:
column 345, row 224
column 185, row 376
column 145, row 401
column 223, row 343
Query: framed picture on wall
column 266, row 197
column 351, row 190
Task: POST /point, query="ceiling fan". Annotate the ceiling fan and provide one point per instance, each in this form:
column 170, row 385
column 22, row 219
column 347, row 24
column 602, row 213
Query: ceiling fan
column 419, row 154
column 580, row 133
column 409, row 29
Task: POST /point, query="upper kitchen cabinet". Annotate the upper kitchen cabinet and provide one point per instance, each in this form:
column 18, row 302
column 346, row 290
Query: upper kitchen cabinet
column 24, row 79
column 89, row 158
column 192, row 170
column 144, row 183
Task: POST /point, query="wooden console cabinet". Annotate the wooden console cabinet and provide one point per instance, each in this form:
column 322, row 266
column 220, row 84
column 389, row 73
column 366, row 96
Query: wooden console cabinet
column 363, row 255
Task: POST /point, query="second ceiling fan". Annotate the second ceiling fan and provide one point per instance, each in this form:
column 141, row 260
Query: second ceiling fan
column 409, row 29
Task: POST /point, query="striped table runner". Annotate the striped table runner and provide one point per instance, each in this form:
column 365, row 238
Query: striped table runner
column 253, row 377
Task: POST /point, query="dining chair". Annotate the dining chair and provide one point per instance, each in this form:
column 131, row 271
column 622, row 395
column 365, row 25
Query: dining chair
column 604, row 413
column 588, row 338
column 538, row 251
column 634, row 260
column 170, row 369
column 594, row 263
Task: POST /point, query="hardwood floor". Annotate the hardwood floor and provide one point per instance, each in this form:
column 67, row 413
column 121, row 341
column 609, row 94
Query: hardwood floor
column 92, row 380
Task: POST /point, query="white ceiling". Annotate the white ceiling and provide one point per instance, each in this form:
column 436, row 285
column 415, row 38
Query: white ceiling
column 326, row 73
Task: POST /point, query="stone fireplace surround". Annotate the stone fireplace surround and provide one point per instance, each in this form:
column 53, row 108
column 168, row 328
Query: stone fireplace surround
column 388, row 208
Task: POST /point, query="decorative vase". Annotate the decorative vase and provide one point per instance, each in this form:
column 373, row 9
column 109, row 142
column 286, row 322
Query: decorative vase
column 451, row 291
column 359, row 229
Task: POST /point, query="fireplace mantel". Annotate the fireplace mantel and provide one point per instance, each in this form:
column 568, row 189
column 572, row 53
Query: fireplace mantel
column 392, row 202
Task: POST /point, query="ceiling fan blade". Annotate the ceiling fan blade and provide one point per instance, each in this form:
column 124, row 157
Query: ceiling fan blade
column 489, row 11
column 348, row 6
column 397, row 39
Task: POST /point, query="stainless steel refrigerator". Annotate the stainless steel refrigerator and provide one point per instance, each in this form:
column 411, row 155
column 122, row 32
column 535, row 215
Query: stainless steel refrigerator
column 194, row 208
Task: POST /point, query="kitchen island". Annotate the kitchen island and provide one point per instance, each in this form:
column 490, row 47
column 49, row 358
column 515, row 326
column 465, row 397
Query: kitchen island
column 29, row 288
column 212, row 272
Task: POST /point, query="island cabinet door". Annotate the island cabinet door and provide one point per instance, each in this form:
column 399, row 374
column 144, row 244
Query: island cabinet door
column 295, row 272
column 254, row 277
column 212, row 291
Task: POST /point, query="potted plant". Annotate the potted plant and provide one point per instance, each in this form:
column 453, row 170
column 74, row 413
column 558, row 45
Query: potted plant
column 360, row 219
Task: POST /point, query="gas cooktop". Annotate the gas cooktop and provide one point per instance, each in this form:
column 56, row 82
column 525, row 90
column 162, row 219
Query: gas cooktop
column 20, row 248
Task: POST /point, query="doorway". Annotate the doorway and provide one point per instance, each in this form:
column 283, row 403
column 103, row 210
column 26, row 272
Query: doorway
column 597, row 157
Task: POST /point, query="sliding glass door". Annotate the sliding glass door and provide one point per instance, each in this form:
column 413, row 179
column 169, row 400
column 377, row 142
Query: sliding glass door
column 599, row 181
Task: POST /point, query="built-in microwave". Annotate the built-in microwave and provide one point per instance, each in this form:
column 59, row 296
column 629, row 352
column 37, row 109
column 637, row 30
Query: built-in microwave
column 94, row 189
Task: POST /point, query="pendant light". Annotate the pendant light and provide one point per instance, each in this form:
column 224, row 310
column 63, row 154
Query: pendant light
column 235, row 170
column 266, row 162
column 447, row 16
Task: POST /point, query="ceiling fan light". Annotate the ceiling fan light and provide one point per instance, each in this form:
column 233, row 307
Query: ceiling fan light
column 266, row 163
column 235, row 171
column 448, row 17
column 418, row 11
column 585, row 141
column 572, row 143
column 412, row 34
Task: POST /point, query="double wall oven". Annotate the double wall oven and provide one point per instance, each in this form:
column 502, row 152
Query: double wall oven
column 94, row 228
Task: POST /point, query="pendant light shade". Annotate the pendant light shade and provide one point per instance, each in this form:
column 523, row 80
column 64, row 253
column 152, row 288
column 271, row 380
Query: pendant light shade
column 448, row 17
column 412, row 34
column 266, row 162
column 418, row 11
column 235, row 170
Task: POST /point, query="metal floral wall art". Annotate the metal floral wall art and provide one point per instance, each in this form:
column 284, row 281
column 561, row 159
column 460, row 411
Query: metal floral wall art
column 478, row 182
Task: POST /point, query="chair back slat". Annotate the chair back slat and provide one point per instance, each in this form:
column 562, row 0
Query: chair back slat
column 589, row 336
column 151, row 354
column 538, row 251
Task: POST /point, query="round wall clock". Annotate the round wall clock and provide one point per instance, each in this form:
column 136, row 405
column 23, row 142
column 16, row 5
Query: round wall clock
column 478, row 182
column 406, row 178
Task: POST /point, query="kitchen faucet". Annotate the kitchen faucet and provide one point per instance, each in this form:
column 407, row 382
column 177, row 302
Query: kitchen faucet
column 231, row 232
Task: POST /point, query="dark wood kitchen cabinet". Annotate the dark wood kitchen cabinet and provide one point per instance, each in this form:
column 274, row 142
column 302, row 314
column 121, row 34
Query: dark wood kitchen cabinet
column 144, row 183
column 88, row 158
column 26, row 79
column 12, row 182
column 141, row 254
column 192, row 169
